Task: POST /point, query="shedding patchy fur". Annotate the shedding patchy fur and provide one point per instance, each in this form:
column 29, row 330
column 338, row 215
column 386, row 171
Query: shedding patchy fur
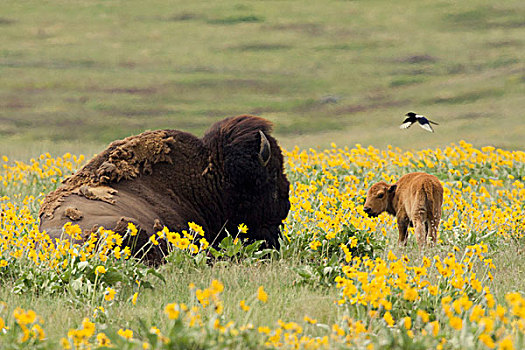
column 415, row 200
column 233, row 175
column 73, row 213
column 123, row 159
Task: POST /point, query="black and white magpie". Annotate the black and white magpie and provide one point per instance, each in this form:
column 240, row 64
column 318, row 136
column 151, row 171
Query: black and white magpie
column 421, row 119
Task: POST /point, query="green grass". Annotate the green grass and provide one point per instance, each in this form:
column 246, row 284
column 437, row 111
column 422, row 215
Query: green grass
column 76, row 75
column 301, row 280
column 89, row 72
column 286, row 301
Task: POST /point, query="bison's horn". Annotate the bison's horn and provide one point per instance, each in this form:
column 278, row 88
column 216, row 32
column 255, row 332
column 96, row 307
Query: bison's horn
column 264, row 150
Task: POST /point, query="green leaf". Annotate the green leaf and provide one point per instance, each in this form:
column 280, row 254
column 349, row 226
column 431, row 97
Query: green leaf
column 82, row 265
column 156, row 274
column 76, row 284
column 111, row 277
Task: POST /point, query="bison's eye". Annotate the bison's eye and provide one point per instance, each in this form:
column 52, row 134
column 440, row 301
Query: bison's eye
column 380, row 195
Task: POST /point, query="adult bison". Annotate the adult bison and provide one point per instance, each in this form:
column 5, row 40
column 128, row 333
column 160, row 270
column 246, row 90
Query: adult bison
column 233, row 174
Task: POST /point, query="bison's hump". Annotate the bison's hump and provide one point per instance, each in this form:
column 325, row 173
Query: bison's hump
column 123, row 160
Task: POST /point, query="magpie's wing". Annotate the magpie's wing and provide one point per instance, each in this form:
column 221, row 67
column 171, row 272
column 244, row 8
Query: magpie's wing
column 423, row 122
column 406, row 123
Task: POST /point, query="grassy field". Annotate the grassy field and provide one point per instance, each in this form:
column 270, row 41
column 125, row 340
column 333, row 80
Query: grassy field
column 339, row 279
column 77, row 75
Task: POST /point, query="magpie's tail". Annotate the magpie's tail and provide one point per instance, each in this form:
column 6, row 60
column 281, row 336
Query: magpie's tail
column 430, row 121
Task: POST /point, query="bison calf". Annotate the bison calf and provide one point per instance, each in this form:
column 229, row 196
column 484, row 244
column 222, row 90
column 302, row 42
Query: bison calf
column 415, row 200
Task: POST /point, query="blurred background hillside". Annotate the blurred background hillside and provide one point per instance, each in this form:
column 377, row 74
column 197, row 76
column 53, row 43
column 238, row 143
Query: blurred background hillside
column 75, row 75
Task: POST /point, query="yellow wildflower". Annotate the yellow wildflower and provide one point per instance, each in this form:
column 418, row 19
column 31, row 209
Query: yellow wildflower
column 37, row 331
column 435, row 328
column 388, row 318
column 506, row 344
column 411, row 294
column 196, row 228
column 132, row 229
column 153, row 239
column 456, row 323
column 407, row 321
column 315, row 244
column 126, row 334
column 487, row 340
column 261, row 294
column 243, row 306
column 64, row 343
column 264, row 330
column 242, row 228
column 423, row 315
column 310, row 320
column 109, row 294
column 103, row 340
column 172, row 310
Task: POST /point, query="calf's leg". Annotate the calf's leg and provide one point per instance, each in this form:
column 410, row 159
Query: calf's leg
column 434, row 224
column 402, row 225
column 419, row 227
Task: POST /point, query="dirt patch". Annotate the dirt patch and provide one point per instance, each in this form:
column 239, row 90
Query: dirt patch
column 127, row 64
column 236, row 19
column 421, row 70
column 183, row 16
column 14, row 103
column 132, row 90
column 414, row 59
column 56, row 64
column 6, row 21
column 505, row 43
column 261, row 47
column 350, row 109
column 406, row 80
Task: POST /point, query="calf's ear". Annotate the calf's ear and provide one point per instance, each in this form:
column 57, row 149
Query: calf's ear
column 264, row 150
column 392, row 188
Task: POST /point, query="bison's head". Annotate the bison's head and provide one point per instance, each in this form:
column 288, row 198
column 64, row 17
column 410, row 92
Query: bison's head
column 378, row 198
column 250, row 164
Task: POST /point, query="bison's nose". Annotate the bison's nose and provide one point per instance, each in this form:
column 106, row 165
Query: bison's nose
column 367, row 210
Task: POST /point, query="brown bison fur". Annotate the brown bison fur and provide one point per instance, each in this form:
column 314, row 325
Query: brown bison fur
column 415, row 200
column 233, row 174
